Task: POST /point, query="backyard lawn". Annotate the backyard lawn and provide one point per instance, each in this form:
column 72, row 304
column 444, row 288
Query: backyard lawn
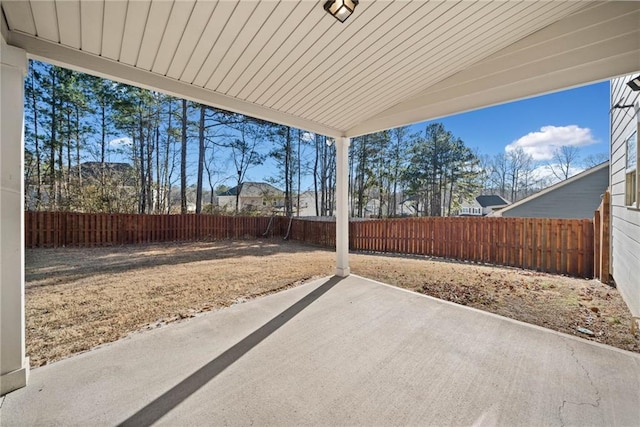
column 79, row 298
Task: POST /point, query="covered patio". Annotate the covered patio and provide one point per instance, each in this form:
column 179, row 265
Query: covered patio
column 390, row 64
column 338, row 351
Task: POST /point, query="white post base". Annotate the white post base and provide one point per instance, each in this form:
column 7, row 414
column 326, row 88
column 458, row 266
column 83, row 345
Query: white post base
column 15, row 379
column 343, row 272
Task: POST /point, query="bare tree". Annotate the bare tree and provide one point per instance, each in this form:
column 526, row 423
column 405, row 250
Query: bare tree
column 397, row 163
column 519, row 170
column 594, row 159
column 498, row 174
column 34, row 95
column 563, row 159
column 324, row 175
column 244, row 151
column 283, row 154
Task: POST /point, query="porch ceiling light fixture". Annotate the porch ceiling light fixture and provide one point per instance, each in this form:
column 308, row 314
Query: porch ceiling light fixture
column 634, row 83
column 340, row 9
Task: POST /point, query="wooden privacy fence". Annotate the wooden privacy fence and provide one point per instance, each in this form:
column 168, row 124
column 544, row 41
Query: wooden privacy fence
column 561, row 246
column 55, row 229
column 314, row 232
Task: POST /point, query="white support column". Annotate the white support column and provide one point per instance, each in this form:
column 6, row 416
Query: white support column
column 14, row 365
column 342, row 207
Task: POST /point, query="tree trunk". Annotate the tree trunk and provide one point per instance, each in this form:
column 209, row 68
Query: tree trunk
column 77, row 129
column 68, row 171
column 201, row 153
column 287, row 174
column 37, row 144
column 315, row 174
column 158, row 208
column 167, row 174
column 53, row 188
column 150, row 149
column 238, row 190
column 103, row 149
column 59, row 173
column 299, row 173
column 143, row 195
column 183, row 161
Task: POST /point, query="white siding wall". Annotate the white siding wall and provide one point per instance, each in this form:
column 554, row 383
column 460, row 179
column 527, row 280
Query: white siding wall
column 625, row 222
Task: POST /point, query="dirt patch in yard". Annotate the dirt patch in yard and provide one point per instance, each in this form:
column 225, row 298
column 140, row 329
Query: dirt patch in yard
column 78, row 298
column 556, row 302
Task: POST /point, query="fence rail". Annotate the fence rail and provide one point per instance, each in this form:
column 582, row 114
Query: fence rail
column 560, row 246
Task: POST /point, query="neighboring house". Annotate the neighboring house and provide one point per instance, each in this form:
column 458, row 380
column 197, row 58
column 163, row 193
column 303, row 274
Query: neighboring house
column 372, row 208
column 253, row 197
column 307, row 204
column 625, row 191
column 491, row 203
column 470, row 208
column 576, row 197
column 482, row 205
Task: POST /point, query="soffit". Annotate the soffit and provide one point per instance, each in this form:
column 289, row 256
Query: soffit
column 391, row 63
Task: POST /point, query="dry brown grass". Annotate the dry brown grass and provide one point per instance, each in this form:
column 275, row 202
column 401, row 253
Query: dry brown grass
column 77, row 299
column 555, row 302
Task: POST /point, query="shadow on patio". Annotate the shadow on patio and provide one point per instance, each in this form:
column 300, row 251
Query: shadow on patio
column 336, row 352
column 172, row 398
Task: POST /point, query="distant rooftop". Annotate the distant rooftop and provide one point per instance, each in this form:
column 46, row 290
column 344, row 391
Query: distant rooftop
column 491, row 200
column 253, row 189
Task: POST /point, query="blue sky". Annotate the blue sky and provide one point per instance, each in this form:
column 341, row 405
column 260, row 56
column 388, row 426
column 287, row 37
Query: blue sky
column 538, row 122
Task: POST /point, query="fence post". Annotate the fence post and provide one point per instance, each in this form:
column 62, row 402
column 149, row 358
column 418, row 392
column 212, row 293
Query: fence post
column 605, row 239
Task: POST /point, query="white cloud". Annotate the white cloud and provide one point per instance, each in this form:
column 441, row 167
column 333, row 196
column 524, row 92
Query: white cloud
column 308, row 136
column 541, row 144
column 120, row 142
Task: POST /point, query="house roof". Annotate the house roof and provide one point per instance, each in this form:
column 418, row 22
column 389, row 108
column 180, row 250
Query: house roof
column 392, row 63
column 491, row 200
column 554, row 187
column 254, row 189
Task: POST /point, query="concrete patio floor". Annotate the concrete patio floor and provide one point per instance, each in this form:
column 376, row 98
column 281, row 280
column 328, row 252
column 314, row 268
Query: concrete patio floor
column 337, row 352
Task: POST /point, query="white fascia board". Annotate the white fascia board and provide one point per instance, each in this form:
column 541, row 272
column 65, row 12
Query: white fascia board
column 63, row 56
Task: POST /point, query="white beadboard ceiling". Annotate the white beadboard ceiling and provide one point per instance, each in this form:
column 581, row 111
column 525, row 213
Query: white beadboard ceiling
column 392, row 63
